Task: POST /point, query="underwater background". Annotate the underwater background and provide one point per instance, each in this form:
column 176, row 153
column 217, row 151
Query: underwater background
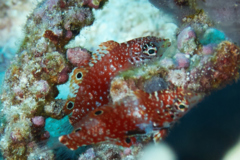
column 210, row 130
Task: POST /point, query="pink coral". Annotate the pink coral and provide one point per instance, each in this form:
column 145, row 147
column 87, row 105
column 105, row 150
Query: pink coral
column 45, row 135
column 78, row 56
column 127, row 151
column 184, row 36
column 208, row 49
column 182, row 60
column 38, row 121
column 63, row 76
column 92, row 3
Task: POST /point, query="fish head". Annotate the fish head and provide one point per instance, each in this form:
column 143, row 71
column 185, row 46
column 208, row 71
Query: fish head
column 146, row 48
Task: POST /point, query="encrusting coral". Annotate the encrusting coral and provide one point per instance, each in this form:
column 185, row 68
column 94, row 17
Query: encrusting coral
column 30, row 83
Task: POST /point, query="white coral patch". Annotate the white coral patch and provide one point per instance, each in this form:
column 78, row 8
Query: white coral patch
column 146, row 19
column 177, row 77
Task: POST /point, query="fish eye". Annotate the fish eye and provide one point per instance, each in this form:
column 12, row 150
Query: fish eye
column 128, row 140
column 79, row 75
column 181, row 106
column 70, row 105
column 78, row 129
column 98, row 112
column 151, row 51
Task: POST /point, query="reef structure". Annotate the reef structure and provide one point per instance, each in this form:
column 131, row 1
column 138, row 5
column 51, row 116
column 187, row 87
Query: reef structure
column 192, row 64
column 30, row 83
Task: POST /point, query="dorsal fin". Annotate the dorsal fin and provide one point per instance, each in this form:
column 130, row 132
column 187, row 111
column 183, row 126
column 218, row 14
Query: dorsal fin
column 109, row 45
column 104, row 48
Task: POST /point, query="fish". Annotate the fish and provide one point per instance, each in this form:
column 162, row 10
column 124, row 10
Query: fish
column 120, row 123
column 90, row 86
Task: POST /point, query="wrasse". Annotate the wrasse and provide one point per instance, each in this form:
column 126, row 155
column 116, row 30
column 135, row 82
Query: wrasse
column 133, row 115
column 90, row 84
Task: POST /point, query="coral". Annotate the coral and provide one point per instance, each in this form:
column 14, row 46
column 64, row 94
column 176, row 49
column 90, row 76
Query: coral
column 184, row 36
column 120, row 88
column 186, row 41
column 154, row 84
column 146, row 19
column 13, row 16
column 177, row 77
column 63, row 75
column 208, row 49
column 224, row 15
column 54, row 108
column 78, row 56
column 109, row 151
column 218, row 70
column 38, row 121
column 182, row 60
column 93, row 3
column 212, row 35
column 30, row 83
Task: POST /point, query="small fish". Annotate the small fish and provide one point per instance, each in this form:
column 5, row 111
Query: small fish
column 91, row 84
column 134, row 115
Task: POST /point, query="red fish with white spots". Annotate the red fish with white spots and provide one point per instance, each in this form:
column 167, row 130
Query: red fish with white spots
column 133, row 115
column 92, row 83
